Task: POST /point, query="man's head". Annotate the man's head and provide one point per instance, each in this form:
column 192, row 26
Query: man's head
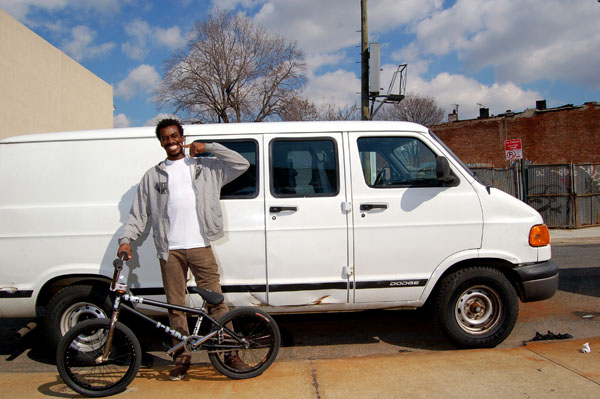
column 170, row 134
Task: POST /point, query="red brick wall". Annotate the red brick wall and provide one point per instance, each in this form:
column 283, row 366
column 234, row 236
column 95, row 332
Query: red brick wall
column 558, row 135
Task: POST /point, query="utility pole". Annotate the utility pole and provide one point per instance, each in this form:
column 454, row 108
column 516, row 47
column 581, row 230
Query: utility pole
column 364, row 38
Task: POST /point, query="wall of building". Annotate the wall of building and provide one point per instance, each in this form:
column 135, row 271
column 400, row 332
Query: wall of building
column 44, row 90
column 569, row 134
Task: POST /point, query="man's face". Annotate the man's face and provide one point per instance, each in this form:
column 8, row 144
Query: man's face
column 172, row 142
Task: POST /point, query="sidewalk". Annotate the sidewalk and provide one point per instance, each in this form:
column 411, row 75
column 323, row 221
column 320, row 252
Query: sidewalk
column 582, row 236
column 548, row 369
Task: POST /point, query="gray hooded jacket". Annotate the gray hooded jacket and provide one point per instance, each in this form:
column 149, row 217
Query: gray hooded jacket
column 209, row 174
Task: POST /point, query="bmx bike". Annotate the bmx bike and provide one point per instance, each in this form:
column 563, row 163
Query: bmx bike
column 101, row 357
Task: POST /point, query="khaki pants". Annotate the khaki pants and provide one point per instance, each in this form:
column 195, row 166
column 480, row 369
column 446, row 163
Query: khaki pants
column 203, row 265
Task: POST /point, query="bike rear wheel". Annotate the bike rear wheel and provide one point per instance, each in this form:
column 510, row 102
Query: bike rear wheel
column 79, row 351
column 259, row 347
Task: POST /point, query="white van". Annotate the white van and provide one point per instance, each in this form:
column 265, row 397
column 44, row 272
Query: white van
column 331, row 216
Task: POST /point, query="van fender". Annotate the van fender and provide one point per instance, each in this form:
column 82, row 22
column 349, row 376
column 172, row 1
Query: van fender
column 468, row 257
column 69, row 274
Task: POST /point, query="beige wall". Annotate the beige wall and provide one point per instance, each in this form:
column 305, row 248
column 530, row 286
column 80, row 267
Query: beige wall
column 43, row 90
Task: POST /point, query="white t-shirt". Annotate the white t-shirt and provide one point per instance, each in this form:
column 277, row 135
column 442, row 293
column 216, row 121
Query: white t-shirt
column 185, row 230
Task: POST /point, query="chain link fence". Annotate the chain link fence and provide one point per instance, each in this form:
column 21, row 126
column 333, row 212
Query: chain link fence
column 567, row 196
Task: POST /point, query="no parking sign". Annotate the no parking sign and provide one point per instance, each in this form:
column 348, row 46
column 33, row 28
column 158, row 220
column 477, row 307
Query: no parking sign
column 513, row 149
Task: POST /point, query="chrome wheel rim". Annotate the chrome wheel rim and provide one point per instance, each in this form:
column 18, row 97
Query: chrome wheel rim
column 77, row 313
column 478, row 310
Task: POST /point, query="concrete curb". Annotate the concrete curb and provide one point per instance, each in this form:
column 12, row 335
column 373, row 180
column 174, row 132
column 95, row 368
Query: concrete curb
column 582, row 236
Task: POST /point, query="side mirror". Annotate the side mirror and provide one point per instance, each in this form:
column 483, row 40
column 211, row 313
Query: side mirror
column 444, row 174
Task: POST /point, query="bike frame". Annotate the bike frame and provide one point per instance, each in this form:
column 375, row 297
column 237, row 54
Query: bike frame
column 120, row 290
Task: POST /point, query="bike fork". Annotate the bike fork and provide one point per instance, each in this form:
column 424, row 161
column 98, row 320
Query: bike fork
column 111, row 330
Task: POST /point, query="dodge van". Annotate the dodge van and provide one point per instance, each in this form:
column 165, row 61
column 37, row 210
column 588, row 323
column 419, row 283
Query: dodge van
column 330, row 217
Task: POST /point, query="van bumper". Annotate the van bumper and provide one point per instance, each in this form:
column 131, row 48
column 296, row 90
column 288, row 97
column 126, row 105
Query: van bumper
column 537, row 281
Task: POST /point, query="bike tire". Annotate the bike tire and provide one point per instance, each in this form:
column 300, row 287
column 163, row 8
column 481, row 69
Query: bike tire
column 262, row 337
column 83, row 344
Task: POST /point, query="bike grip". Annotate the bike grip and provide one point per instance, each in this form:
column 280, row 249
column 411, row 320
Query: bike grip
column 118, row 263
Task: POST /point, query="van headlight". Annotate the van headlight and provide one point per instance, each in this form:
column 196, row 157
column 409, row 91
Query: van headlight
column 539, row 236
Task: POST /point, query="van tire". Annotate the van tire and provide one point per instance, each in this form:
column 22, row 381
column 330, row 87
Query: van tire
column 72, row 305
column 476, row 307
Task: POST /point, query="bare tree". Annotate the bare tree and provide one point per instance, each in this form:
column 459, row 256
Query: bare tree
column 301, row 109
column 232, row 71
column 332, row 112
column 413, row 108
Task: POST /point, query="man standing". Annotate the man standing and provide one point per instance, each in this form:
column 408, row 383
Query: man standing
column 180, row 196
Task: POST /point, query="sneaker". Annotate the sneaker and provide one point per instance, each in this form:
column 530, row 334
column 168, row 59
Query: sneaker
column 235, row 362
column 178, row 372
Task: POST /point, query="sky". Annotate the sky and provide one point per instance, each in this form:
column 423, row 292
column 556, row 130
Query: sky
column 499, row 54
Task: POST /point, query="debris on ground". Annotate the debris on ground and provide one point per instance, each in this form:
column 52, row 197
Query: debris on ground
column 550, row 336
column 586, row 348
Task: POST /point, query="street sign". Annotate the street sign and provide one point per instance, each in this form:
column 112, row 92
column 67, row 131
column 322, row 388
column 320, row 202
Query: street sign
column 513, row 149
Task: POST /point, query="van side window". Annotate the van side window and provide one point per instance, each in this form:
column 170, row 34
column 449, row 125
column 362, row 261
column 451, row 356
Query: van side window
column 397, row 162
column 304, row 168
column 246, row 185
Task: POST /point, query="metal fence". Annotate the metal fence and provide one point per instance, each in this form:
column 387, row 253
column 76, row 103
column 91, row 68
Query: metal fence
column 567, row 196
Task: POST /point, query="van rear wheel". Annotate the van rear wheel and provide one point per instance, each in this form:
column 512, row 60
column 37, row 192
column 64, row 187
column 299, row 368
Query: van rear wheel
column 476, row 307
column 72, row 305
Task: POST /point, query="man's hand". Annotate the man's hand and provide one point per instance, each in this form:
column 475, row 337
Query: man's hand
column 124, row 248
column 195, row 148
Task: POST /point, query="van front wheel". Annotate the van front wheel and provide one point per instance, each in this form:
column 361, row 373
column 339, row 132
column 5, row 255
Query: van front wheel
column 72, row 305
column 476, row 307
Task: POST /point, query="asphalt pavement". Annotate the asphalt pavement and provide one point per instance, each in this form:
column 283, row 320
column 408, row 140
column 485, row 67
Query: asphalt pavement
column 542, row 369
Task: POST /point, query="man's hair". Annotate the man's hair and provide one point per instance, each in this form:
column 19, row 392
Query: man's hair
column 166, row 123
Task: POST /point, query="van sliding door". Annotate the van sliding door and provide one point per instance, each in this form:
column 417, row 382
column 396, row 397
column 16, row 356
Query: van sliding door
column 307, row 243
column 241, row 253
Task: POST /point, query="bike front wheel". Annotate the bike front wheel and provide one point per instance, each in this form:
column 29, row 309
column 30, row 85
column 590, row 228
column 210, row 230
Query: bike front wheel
column 79, row 363
column 252, row 350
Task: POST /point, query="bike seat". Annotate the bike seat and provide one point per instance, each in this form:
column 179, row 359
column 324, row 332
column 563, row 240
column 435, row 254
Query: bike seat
column 214, row 298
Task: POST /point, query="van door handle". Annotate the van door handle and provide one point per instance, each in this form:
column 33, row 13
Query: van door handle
column 369, row 207
column 277, row 209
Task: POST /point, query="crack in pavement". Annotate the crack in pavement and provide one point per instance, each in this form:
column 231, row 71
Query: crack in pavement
column 563, row 366
column 315, row 383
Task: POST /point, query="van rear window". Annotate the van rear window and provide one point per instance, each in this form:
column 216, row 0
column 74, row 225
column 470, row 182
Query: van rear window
column 245, row 186
column 304, row 168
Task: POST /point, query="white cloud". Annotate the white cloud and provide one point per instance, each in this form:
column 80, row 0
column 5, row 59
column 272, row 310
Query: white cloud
column 143, row 79
column 329, row 26
column 80, row 47
column 468, row 93
column 142, row 35
column 20, row 8
column 522, row 40
column 121, row 120
column 519, row 41
column 171, row 37
column 138, row 31
column 154, row 121
column 339, row 87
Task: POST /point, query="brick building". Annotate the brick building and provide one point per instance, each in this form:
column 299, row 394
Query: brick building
column 567, row 134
